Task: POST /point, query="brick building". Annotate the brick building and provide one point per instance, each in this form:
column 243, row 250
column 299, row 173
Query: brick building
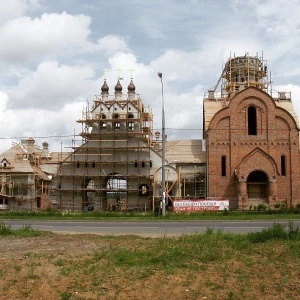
column 252, row 138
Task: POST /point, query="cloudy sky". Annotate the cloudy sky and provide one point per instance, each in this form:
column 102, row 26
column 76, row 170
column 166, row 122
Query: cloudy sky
column 53, row 54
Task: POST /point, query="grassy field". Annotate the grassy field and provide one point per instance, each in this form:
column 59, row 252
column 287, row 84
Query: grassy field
column 214, row 265
column 148, row 216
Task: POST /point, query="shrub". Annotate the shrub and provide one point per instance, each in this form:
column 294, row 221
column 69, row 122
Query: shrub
column 261, row 207
column 5, row 229
column 277, row 231
column 225, row 212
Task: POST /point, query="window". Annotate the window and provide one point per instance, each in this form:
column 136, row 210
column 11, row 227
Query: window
column 130, row 126
column 93, row 164
column 283, row 165
column 150, row 163
column 130, row 116
column 144, row 190
column 135, row 164
column 143, row 164
column 102, row 126
column 117, row 126
column 252, row 120
column 223, row 165
column 78, row 164
column 115, row 116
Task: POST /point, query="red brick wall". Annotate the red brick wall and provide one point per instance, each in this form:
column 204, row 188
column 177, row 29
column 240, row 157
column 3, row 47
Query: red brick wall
column 277, row 135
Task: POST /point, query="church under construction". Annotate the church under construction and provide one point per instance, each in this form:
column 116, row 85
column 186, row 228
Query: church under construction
column 251, row 154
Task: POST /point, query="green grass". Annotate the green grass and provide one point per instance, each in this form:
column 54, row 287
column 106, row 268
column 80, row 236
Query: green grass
column 25, row 231
column 149, row 216
column 171, row 253
column 241, row 266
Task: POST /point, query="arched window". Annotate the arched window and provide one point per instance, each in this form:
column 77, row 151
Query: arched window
column 115, row 116
column 144, row 190
column 283, row 165
column 102, row 126
column 117, row 126
column 252, row 120
column 130, row 116
column 223, row 165
column 130, row 126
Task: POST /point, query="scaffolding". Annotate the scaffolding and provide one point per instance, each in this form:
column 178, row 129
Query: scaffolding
column 23, row 184
column 110, row 167
column 244, row 71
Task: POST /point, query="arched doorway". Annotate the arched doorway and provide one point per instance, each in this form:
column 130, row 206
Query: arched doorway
column 257, row 186
column 172, row 186
column 116, row 192
column 88, row 194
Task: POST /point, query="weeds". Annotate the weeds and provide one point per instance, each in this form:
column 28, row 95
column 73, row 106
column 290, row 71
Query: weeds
column 25, row 231
column 5, row 229
column 65, row 296
column 277, row 231
column 254, row 213
column 205, row 264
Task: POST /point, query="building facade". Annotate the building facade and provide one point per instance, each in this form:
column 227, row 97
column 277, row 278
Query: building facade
column 252, row 138
column 251, row 154
column 24, row 183
column 117, row 166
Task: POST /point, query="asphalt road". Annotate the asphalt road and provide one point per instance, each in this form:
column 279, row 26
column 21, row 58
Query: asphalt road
column 142, row 228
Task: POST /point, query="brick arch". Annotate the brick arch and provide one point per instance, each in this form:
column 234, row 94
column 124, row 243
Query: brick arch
column 253, row 93
column 260, row 161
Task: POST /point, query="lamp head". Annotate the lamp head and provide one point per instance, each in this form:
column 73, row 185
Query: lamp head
column 159, row 74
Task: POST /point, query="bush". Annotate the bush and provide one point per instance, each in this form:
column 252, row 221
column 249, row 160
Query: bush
column 25, row 231
column 261, row 207
column 5, row 229
column 277, row 231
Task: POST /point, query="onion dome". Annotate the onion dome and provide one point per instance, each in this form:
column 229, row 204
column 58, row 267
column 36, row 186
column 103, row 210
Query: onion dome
column 45, row 144
column 131, row 87
column 104, row 87
column 118, row 87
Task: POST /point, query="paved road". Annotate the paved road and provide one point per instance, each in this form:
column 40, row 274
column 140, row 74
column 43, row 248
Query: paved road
column 155, row 228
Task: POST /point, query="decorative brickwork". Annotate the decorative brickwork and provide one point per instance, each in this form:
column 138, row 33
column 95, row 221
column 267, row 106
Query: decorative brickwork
column 256, row 136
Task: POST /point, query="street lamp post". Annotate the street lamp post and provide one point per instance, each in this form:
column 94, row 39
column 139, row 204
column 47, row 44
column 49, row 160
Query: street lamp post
column 163, row 139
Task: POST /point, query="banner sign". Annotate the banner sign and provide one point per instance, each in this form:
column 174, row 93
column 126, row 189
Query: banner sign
column 198, row 205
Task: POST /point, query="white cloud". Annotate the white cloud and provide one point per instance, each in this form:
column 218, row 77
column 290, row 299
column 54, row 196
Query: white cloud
column 50, row 62
column 16, row 8
column 111, row 44
column 51, row 86
column 28, row 39
column 39, row 123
